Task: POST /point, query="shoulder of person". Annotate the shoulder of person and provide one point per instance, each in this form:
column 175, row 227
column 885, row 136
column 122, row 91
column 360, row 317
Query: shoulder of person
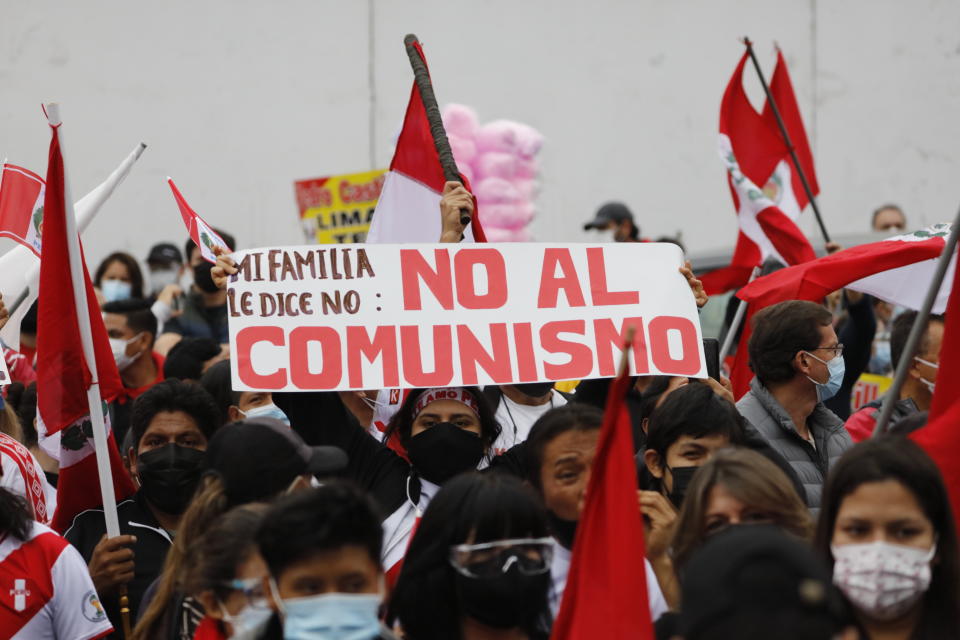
column 88, row 526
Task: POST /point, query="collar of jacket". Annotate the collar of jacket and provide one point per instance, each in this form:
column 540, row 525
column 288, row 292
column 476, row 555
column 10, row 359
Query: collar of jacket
column 822, row 418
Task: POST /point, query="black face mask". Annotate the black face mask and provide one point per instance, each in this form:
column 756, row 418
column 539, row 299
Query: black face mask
column 169, row 476
column 534, row 389
column 443, row 451
column 681, row 480
column 563, row 530
column 506, row 601
column 202, row 277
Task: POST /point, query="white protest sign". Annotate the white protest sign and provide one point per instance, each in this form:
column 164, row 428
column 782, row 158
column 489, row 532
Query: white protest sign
column 436, row 315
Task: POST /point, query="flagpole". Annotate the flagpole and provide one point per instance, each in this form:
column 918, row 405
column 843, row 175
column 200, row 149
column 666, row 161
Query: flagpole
column 786, row 138
column 421, row 77
column 86, row 341
column 917, row 330
column 737, row 321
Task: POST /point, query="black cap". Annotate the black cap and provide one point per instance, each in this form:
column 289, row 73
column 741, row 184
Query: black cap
column 165, row 254
column 610, row 212
column 754, row 568
column 261, row 457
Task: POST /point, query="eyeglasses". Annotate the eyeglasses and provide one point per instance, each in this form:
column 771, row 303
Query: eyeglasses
column 251, row 588
column 837, row 350
column 531, row 556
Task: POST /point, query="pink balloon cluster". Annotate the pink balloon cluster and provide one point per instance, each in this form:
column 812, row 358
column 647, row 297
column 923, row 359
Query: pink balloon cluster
column 500, row 161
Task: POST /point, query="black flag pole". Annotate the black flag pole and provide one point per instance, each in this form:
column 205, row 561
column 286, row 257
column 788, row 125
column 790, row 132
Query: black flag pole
column 787, row 141
column 917, row 330
column 421, row 76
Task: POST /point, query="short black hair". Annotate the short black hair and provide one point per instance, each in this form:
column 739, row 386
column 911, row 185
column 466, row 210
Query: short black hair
column 780, row 331
column 185, row 360
column 693, row 410
column 137, row 312
column 574, row 416
column 218, row 383
column 190, row 245
column 401, row 424
column 174, row 395
column 900, row 331
column 327, row 518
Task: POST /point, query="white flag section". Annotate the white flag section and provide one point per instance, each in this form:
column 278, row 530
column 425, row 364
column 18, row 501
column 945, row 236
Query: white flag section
column 386, row 316
column 407, row 211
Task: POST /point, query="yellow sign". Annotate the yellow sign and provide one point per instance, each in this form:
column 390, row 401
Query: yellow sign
column 869, row 387
column 338, row 209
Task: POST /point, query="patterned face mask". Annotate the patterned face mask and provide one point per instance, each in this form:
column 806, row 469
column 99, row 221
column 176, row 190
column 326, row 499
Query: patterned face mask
column 882, row 580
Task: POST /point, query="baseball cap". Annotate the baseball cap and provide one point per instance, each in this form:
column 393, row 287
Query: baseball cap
column 610, row 212
column 748, row 569
column 261, row 457
column 164, row 253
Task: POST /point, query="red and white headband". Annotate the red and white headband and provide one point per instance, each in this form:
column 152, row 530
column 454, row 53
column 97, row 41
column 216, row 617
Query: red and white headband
column 456, row 394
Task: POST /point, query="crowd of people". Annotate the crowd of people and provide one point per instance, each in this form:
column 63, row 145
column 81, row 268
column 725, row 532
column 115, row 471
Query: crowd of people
column 454, row 515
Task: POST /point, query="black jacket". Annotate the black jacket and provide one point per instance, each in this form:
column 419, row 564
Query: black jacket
column 149, row 552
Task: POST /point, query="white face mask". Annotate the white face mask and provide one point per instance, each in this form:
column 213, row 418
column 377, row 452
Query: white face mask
column 160, row 278
column 119, row 347
column 266, row 411
column 929, row 385
column 882, row 580
column 249, row 623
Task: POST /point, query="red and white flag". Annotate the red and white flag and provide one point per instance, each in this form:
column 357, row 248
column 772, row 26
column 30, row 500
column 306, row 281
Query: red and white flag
column 409, row 206
column 202, row 234
column 606, row 591
column 753, row 142
column 897, row 270
column 63, row 373
column 21, row 206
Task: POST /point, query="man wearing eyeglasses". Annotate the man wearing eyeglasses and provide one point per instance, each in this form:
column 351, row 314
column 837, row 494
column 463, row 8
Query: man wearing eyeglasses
column 798, row 363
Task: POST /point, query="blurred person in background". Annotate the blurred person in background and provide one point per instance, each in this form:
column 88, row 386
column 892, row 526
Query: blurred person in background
column 190, row 358
column 238, row 405
column 889, row 218
column 164, row 266
column 887, row 531
column 917, row 391
column 118, row 278
column 616, row 223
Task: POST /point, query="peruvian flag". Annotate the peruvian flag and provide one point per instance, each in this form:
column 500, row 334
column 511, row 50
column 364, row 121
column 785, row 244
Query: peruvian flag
column 939, row 437
column 21, row 206
column 897, row 270
column 409, row 206
column 63, row 374
column 606, row 591
column 200, row 232
column 752, row 143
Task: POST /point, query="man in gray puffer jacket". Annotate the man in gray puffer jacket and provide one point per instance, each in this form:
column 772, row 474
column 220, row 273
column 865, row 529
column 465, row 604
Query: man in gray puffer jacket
column 797, row 363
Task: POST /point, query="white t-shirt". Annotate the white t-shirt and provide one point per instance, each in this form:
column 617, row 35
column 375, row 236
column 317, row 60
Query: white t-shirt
column 22, row 471
column 46, row 592
column 517, row 419
column 561, row 567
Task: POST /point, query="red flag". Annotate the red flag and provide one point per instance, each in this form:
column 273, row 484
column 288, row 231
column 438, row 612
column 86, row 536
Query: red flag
column 21, row 206
column 63, row 374
column 895, row 270
column 752, row 142
column 606, row 591
column 409, row 206
column 200, row 232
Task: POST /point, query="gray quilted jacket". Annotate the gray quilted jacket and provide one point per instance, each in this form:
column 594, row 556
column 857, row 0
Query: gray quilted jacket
column 770, row 420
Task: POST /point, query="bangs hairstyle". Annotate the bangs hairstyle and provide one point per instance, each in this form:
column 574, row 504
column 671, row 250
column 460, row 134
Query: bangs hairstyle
column 750, row 478
column 693, row 410
column 401, row 423
column 228, row 543
column 897, row 458
column 133, row 270
column 574, row 416
column 779, row 333
column 472, row 507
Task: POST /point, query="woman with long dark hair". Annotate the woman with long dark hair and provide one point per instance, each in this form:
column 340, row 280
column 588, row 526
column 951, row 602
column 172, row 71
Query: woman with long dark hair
column 479, row 565
column 887, row 530
column 119, row 277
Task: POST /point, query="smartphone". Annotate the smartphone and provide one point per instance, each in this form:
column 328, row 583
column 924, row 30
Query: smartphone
column 711, row 350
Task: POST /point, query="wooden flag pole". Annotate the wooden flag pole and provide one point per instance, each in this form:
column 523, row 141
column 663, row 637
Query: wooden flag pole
column 786, row 139
column 421, row 77
column 917, row 330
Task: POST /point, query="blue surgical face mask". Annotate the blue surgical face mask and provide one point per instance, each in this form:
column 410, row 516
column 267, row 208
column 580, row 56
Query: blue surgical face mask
column 330, row 616
column 835, row 368
column 114, row 290
column 267, row 411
